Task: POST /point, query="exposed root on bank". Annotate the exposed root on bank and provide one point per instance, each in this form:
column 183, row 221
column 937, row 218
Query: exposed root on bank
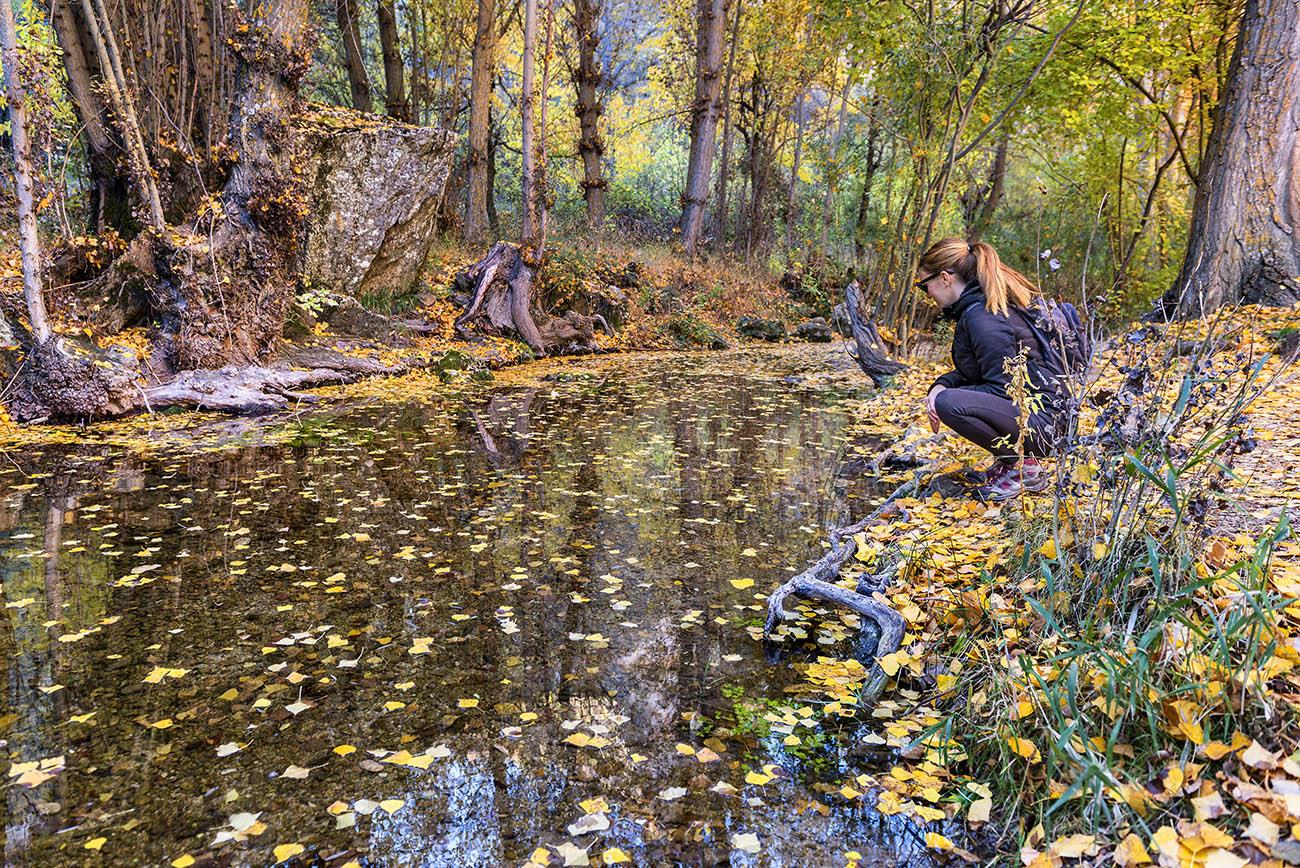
column 817, row 583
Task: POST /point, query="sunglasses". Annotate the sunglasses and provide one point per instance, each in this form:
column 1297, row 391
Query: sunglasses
column 920, row 284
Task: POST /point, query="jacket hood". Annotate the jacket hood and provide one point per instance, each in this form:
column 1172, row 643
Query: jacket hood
column 973, row 294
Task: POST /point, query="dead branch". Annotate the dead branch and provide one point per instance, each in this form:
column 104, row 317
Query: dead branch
column 816, row 583
column 868, row 349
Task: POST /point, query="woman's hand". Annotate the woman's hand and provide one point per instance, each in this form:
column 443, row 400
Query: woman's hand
column 930, row 410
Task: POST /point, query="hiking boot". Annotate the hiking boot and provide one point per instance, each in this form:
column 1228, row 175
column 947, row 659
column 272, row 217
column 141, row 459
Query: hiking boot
column 1007, row 481
column 1010, row 480
column 1034, row 476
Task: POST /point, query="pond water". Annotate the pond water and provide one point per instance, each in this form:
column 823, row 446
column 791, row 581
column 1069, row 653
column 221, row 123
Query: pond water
column 435, row 630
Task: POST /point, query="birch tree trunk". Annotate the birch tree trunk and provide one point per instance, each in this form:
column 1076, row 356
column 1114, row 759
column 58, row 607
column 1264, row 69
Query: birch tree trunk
column 710, row 26
column 28, row 240
column 1244, row 243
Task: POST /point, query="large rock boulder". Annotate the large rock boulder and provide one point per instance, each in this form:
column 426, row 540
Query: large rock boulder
column 816, row 330
column 762, row 329
column 374, row 193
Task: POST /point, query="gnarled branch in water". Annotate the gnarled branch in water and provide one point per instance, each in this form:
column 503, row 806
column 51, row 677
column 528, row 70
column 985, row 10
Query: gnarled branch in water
column 816, row 583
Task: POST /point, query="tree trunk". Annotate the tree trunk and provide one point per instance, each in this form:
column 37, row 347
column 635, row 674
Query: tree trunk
column 350, row 31
column 28, row 240
column 480, row 103
column 110, row 196
column 543, row 196
column 494, row 146
column 394, row 73
column 832, row 164
column 710, row 25
column 874, row 155
column 258, row 240
column 586, row 80
column 528, row 225
column 123, row 101
column 205, row 68
column 792, row 191
column 981, row 201
column 1244, row 243
column 728, row 135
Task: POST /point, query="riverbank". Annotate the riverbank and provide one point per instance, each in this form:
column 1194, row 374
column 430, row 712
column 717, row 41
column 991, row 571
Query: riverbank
column 649, row 298
column 1107, row 672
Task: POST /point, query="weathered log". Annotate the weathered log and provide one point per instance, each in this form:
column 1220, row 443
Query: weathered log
column 816, row 583
column 247, row 390
column 868, row 349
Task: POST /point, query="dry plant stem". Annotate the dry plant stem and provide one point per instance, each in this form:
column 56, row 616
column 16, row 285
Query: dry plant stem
column 816, row 583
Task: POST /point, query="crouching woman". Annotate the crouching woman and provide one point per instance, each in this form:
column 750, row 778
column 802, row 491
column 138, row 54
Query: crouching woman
column 989, row 302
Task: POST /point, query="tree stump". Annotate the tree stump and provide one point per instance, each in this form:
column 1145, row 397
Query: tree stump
column 502, row 304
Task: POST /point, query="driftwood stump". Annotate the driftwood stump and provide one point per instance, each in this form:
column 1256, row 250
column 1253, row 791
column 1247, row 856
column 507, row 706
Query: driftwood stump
column 868, row 349
column 502, row 304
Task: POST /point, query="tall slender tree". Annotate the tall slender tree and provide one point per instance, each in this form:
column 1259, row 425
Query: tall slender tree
column 480, row 121
column 528, row 223
column 728, row 134
column 711, row 20
column 121, row 95
column 28, row 240
column 346, row 13
column 390, row 44
column 586, row 81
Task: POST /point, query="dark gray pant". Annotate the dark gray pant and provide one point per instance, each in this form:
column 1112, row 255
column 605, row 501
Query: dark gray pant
column 991, row 422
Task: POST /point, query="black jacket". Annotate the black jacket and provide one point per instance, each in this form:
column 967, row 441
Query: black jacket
column 983, row 340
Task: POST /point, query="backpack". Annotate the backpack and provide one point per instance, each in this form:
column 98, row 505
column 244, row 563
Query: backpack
column 1061, row 334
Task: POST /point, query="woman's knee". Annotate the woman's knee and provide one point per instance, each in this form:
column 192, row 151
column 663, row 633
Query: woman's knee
column 948, row 404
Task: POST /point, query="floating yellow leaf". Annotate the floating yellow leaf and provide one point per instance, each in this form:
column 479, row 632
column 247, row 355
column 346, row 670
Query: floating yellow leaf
column 95, row 844
column 935, row 841
column 287, row 851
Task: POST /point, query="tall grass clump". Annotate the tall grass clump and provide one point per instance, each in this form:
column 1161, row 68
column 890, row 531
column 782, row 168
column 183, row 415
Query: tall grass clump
column 1147, row 635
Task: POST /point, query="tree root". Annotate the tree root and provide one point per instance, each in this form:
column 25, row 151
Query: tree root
column 816, row 583
column 502, row 304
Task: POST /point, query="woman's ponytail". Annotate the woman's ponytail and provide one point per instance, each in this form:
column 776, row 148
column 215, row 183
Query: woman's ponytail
column 1003, row 285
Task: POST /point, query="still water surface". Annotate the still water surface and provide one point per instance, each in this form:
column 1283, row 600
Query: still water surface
column 213, row 653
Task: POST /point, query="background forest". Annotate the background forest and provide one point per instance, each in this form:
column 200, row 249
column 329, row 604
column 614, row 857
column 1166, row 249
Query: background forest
column 1067, row 134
